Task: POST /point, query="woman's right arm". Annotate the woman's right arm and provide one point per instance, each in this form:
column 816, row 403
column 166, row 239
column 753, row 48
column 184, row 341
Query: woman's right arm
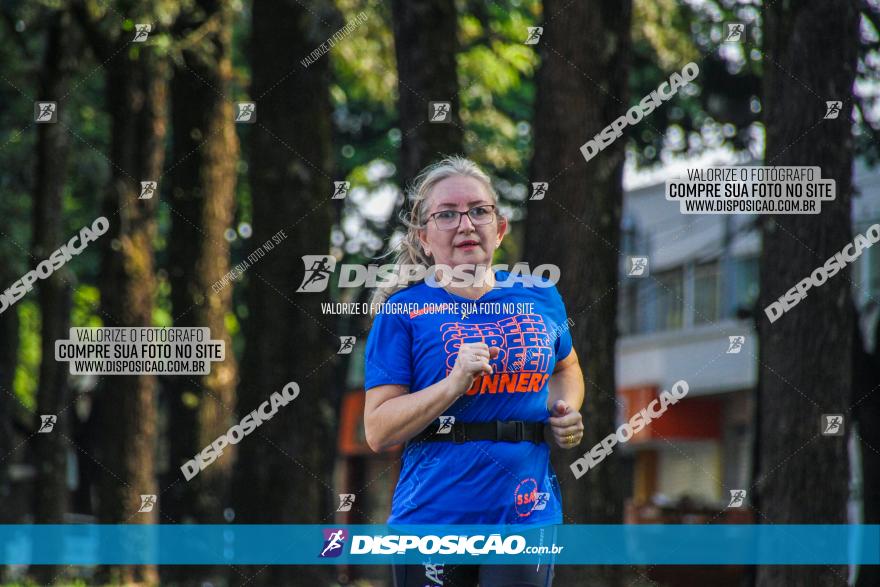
column 392, row 415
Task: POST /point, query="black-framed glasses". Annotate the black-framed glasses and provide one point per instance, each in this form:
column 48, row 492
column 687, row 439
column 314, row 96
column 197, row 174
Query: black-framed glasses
column 451, row 219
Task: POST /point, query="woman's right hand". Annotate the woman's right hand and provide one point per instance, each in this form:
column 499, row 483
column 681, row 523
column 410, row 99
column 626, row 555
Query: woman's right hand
column 472, row 362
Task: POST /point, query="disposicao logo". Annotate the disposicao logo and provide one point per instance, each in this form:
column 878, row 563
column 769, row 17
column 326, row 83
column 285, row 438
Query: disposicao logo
column 334, row 542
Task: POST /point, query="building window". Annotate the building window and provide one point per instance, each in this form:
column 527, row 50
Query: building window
column 746, row 283
column 707, row 293
column 635, row 310
column 872, row 267
column 627, row 311
column 682, row 468
column 658, row 303
column 669, row 289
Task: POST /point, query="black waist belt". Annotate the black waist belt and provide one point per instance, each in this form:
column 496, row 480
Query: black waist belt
column 512, row 431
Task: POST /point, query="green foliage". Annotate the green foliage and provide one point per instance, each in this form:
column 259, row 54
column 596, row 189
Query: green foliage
column 363, row 63
column 162, row 307
column 363, row 89
column 86, row 307
column 84, row 312
column 496, row 71
column 663, row 24
column 28, row 368
column 233, row 327
column 667, row 35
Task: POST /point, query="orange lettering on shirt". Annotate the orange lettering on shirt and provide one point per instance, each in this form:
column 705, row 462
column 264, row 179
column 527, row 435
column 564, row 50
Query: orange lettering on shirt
column 509, row 382
column 537, row 382
column 490, row 384
column 475, row 386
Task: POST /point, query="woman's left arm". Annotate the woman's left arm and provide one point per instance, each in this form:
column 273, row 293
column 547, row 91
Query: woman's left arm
column 566, row 397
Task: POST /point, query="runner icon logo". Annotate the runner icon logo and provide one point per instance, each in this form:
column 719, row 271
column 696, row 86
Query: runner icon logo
column 334, row 541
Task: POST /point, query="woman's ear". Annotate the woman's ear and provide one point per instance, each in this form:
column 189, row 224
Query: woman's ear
column 423, row 243
column 502, row 229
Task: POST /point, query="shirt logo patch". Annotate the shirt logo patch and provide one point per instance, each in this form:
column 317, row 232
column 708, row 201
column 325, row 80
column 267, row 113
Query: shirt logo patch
column 526, row 497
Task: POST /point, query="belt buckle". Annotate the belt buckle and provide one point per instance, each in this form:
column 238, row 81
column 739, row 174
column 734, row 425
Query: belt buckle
column 506, row 430
column 458, row 435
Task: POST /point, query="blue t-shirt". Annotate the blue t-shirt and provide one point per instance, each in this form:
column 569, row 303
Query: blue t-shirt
column 475, row 482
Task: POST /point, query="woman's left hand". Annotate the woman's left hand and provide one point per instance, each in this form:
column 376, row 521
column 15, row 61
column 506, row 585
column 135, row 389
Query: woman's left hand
column 566, row 424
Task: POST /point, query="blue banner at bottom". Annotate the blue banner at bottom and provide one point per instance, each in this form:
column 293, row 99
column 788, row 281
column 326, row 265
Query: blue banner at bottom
column 568, row 544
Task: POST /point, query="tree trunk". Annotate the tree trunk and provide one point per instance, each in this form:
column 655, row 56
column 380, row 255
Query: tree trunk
column 9, row 441
column 203, row 202
column 284, row 469
column 8, row 401
column 804, row 373
column 51, row 449
column 426, row 45
column 581, row 88
column 125, row 422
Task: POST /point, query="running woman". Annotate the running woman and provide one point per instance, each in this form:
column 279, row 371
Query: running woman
column 502, row 375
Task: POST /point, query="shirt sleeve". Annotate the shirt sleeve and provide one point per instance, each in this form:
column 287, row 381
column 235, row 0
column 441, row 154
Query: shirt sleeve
column 388, row 357
column 562, row 327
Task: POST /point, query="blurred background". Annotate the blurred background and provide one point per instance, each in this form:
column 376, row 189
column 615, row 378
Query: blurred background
column 342, row 92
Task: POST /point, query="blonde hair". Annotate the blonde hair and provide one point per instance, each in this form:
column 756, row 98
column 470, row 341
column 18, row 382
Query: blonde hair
column 409, row 250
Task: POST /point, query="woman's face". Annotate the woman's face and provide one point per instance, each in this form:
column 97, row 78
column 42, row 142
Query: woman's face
column 469, row 243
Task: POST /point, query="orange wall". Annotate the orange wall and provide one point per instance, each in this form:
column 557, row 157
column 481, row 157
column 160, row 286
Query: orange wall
column 696, row 418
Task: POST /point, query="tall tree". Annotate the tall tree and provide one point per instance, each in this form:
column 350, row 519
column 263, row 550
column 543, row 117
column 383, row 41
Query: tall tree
column 124, row 413
column 426, row 45
column 792, row 453
column 585, row 53
column 8, row 359
column 51, row 501
column 202, row 203
column 284, row 471
column 9, row 319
